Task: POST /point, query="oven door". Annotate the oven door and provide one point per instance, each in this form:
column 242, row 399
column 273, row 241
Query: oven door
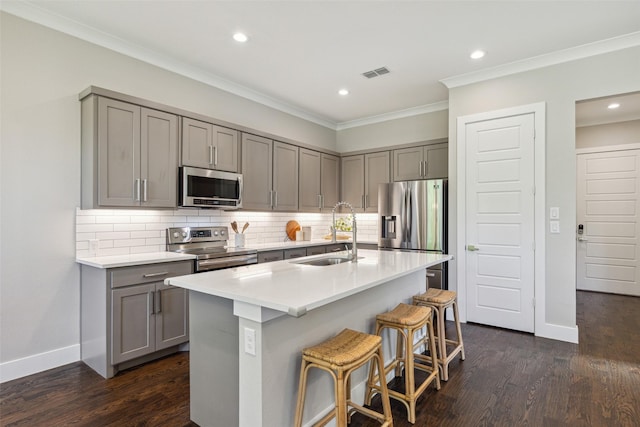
column 207, row 188
column 225, row 262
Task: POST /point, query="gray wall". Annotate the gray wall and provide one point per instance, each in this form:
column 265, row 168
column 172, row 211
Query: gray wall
column 423, row 127
column 42, row 73
column 559, row 86
column 609, row 134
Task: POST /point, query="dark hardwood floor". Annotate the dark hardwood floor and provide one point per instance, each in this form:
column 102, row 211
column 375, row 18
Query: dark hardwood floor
column 507, row 379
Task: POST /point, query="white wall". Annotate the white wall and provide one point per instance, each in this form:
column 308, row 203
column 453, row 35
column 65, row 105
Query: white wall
column 423, row 127
column 608, row 134
column 559, row 87
column 43, row 71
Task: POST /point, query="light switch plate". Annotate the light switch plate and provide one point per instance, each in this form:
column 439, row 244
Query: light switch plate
column 554, row 213
column 554, row 227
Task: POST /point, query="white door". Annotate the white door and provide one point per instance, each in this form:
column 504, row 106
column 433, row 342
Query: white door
column 500, row 196
column 608, row 206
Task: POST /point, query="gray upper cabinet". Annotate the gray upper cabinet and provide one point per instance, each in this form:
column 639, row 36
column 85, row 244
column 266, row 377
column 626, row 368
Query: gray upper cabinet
column 361, row 175
column 426, row 162
column 130, row 155
column 353, row 180
column 285, row 177
column 376, row 171
column 319, row 185
column 257, row 161
column 205, row 145
column 270, row 172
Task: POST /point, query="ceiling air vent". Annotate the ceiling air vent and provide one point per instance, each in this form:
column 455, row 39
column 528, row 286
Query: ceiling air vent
column 375, row 73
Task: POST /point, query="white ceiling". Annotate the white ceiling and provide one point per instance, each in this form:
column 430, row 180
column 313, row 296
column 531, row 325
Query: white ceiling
column 300, row 53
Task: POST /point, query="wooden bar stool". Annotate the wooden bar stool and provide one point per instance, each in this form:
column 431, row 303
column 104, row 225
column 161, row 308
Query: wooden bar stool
column 406, row 320
column 439, row 300
column 340, row 356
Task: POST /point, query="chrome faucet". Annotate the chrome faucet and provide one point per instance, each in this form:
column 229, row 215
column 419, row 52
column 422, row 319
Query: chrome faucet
column 354, row 229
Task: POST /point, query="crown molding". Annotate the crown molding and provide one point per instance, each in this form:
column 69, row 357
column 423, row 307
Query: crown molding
column 73, row 28
column 558, row 57
column 409, row 112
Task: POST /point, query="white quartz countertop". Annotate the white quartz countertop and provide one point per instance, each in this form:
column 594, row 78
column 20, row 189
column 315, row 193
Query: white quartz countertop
column 295, row 288
column 133, row 259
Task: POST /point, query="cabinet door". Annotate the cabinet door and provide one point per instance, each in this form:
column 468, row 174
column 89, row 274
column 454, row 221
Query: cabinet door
column 285, row 177
column 353, row 180
column 172, row 316
column 330, row 181
column 270, row 256
column 295, row 253
column 316, row 250
column 118, row 150
column 132, row 322
column 197, row 149
column 376, row 172
column 309, row 185
column 407, row 164
column 158, row 158
column 225, row 146
column 436, row 157
column 256, row 171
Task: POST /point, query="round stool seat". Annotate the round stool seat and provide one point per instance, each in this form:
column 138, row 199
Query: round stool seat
column 436, row 296
column 406, row 315
column 345, row 348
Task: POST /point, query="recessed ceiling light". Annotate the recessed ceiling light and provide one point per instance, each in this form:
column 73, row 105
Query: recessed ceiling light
column 613, row 106
column 477, row 54
column 240, row 37
column 343, row 92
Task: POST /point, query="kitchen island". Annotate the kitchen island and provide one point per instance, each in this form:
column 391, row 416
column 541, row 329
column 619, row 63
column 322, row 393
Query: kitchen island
column 249, row 324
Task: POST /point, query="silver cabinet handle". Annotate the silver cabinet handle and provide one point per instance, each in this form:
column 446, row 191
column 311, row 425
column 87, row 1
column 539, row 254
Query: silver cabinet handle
column 162, row 273
column 210, row 154
column 472, row 248
column 420, row 173
column 276, row 203
column 319, row 201
column 271, row 198
column 426, row 168
column 215, row 156
column 159, row 304
column 136, row 189
column 144, row 190
column 152, row 294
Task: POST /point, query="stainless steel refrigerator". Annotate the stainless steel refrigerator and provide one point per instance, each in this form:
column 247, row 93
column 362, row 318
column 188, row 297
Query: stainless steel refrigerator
column 413, row 217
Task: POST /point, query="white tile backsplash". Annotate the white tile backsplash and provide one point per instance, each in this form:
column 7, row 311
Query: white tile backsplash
column 122, row 232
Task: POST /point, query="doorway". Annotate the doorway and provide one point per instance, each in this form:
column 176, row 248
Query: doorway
column 608, row 194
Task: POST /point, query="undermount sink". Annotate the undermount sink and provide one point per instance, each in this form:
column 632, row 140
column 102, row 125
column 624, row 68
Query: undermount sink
column 324, row 261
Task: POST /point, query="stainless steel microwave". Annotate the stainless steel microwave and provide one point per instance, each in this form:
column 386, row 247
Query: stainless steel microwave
column 206, row 188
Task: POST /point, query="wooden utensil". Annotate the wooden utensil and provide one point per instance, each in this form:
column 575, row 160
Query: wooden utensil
column 292, row 227
column 246, row 225
column 234, row 226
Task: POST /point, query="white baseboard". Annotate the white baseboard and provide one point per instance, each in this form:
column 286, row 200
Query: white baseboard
column 19, row 368
column 558, row 332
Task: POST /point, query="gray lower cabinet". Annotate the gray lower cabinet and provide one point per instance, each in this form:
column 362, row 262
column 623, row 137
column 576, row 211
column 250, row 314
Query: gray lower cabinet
column 361, row 175
column 205, row 145
column 319, row 183
column 270, row 173
column 129, row 155
column 270, row 256
column 129, row 316
column 316, row 250
column 425, row 162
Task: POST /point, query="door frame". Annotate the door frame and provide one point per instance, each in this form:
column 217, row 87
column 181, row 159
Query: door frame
column 539, row 111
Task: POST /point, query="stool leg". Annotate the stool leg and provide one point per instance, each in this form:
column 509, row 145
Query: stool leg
column 442, row 343
column 369, row 390
column 301, row 394
column 409, row 380
column 458, row 330
column 432, row 350
column 384, row 393
column 399, row 354
column 341, row 403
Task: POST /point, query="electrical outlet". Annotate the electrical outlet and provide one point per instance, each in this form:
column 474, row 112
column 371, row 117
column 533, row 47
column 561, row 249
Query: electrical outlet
column 554, row 227
column 250, row 341
column 94, row 245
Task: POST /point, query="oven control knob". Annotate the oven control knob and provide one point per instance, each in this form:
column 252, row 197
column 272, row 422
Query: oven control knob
column 176, row 234
column 215, row 233
column 222, row 232
column 184, row 234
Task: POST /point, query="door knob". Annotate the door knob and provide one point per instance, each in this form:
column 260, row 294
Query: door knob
column 472, row 248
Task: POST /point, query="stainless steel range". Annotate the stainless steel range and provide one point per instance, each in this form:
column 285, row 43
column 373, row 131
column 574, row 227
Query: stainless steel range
column 208, row 245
